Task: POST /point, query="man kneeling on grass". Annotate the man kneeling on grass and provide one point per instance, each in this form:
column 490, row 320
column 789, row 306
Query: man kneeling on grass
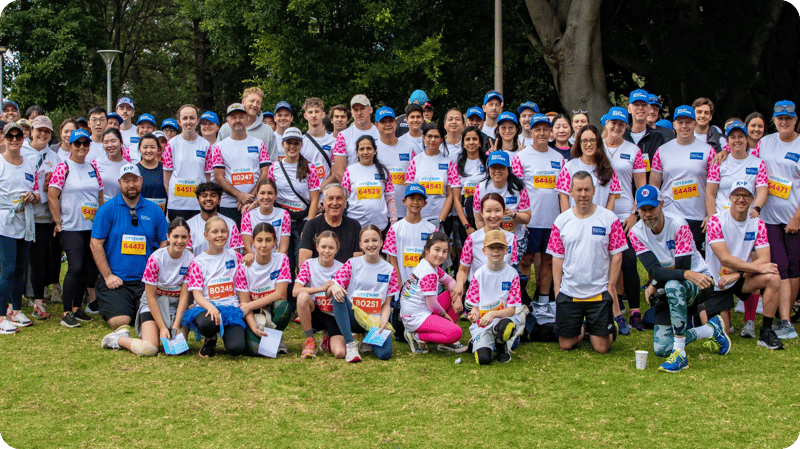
column 586, row 244
column 665, row 246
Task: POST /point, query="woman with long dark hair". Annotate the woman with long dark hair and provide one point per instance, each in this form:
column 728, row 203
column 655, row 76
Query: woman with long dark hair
column 369, row 187
column 589, row 155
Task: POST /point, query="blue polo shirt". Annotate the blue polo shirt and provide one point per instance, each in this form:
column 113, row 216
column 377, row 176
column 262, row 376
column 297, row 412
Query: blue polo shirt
column 127, row 247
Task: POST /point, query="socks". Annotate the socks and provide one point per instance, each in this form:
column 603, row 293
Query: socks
column 544, row 299
column 309, row 333
column 766, row 322
column 700, row 332
column 680, row 343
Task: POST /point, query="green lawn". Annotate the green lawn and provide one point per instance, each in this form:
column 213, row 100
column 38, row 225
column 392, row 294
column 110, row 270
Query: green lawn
column 63, row 390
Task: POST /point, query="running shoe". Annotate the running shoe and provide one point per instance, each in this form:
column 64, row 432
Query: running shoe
column 209, row 348
column 19, row 320
column 282, row 348
column 749, row 329
column 414, row 344
column 111, row 341
column 80, row 315
column 325, row 344
column 784, row 330
column 502, row 355
column 364, row 347
column 69, row 320
column 635, row 321
column 769, row 340
column 622, row 324
column 309, row 349
column 39, row 310
column 7, row 328
column 720, row 336
column 456, row 347
column 676, row 362
column 56, row 295
column 93, row 308
column 352, row 356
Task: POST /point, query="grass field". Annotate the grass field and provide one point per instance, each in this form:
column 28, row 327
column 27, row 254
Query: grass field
column 62, row 390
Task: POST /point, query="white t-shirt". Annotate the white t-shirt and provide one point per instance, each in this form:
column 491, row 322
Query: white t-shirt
column 397, row 159
column 130, row 137
column 197, row 239
column 593, row 239
column 368, row 285
column 314, row 275
column 109, row 171
column 405, row 241
column 742, row 239
column 453, row 151
column 637, row 136
column 133, row 153
column 517, row 201
column 96, row 151
column 488, row 130
column 166, row 273
column 539, row 170
column 436, row 174
column 751, row 168
column 414, row 142
column 685, row 171
column 80, row 187
column 704, row 138
column 286, row 197
column 365, row 195
column 44, row 162
column 187, row 161
column 475, row 173
column 279, row 219
column 783, row 167
column 424, row 281
column 215, row 276
column 675, row 240
column 262, row 280
column 601, row 193
column 626, row 160
column 472, row 252
column 309, row 151
column 279, row 141
column 242, row 161
column 15, row 182
column 345, row 144
column 492, row 291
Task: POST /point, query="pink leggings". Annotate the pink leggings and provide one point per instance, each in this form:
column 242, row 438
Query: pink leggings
column 750, row 307
column 440, row 330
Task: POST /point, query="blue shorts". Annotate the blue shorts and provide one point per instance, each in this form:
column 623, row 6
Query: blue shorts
column 537, row 240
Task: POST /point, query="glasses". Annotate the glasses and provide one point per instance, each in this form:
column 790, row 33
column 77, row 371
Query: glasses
column 784, row 108
column 579, row 111
column 134, row 218
column 82, row 143
column 97, row 119
column 433, row 137
column 16, row 136
column 741, row 196
column 588, row 141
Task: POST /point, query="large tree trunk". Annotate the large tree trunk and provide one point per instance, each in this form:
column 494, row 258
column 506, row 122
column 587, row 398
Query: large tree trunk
column 569, row 39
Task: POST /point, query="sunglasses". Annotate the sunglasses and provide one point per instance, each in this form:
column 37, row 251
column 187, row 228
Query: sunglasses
column 579, row 111
column 134, row 217
column 82, row 143
column 784, row 108
column 16, row 136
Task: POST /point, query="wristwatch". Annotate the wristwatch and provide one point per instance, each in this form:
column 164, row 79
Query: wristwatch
column 757, row 208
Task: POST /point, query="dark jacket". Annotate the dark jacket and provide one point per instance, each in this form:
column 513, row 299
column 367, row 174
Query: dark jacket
column 649, row 143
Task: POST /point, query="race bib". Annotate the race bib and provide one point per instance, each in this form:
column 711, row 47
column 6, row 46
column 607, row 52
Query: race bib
column 321, row 172
column 468, row 188
column 685, row 189
column 544, row 179
column 172, row 292
column 292, row 206
column 242, row 177
column 779, row 187
column 433, row 185
column 398, row 176
column 88, row 210
column 411, row 257
column 220, row 288
column 724, row 271
column 257, row 293
column 324, row 303
column 646, row 160
column 369, row 190
column 185, row 188
column 507, row 224
column 486, row 308
column 592, row 299
column 369, row 302
column 134, row 245
column 161, row 202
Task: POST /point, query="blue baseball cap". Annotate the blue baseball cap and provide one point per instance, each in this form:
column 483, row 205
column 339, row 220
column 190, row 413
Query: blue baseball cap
column 283, row 105
column 125, row 100
column 783, row 107
column 170, row 122
column 735, row 125
column 647, row 195
column 384, row 112
column 664, row 123
column 617, row 113
column 210, row 116
column 77, row 134
column 653, row 99
column 507, row 117
column 499, row 158
column 528, row 105
column 115, row 116
column 541, row 118
column 491, row 95
column 415, row 188
column 684, row 111
column 603, row 120
column 476, row 111
column 10, row 103
column 146, row 118
column 418, row 97
column 267, row 114
column 639, row 95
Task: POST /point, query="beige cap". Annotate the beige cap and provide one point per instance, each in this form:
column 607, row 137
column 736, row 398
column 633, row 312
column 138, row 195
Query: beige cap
column 360, row 99
column 236, row 107
column 494, row 237
column 42, row 122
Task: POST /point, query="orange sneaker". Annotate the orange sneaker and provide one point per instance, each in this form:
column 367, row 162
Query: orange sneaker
column 325, row 345
column 309, row 348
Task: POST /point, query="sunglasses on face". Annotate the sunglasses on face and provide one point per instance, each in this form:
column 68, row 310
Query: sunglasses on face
column 82, row 143
column 15, row 136
column 785, row 108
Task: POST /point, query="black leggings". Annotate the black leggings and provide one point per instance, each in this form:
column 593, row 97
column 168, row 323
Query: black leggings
column 233, row 338
column 81, row 270
column 630, row 277
column 45, row 259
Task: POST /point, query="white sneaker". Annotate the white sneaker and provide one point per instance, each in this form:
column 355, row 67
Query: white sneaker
column 282, row 348
column 351, row 354
column 18, row 320
column 365, row 347
column 111, row 341
column 749, row 329
column 7, row 328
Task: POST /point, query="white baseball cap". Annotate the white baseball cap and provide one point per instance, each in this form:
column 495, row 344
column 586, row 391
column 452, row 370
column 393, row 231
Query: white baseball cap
column 129, row 169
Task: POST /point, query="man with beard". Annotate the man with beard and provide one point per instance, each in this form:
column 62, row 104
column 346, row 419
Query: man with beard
column 665, row 246
column 334, row 203
column 208, row 195
column 126, row 230
column 252, row 98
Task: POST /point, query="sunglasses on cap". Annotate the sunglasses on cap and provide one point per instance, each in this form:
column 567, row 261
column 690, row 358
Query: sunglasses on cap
column 784, row 108
column 82, row 143
column 579, row 111
column 15, row 136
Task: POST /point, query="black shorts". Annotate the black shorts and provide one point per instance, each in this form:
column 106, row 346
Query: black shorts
column 570, row 315
column 145, row 317
column 537, row 240
column 325, row 322
column 121, row 301
column 717, row 302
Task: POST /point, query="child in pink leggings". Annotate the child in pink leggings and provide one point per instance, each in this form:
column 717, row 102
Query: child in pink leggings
column 428, row 316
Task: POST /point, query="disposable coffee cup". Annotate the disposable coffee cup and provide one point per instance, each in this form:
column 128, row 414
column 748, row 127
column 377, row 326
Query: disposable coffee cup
column 641, row 359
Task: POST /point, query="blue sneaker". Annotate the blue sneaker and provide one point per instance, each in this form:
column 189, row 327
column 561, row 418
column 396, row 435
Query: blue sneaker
column 624, row 329
column 720, row 336
column 676, row 362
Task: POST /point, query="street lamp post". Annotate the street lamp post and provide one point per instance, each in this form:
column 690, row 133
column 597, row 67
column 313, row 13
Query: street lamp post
column 2, row 54
column 498, row 45
column 108, row 58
